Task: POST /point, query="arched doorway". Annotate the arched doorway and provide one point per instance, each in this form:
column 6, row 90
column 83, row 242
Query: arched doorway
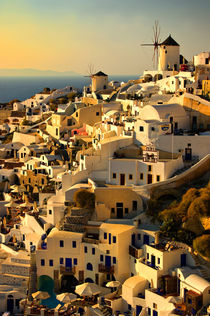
column 10, row 303
column 68, row 283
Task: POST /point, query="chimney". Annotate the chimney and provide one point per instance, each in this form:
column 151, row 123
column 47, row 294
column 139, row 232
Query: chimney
column 157, row 240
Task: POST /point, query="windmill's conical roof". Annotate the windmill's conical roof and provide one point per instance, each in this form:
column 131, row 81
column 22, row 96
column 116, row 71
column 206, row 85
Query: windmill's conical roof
column 99, row 74
column 170, row 42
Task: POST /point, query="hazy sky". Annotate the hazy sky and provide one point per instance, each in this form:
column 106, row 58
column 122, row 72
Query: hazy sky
column 69, row 34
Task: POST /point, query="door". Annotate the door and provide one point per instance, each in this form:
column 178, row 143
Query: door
column 194, row 123
column 110, row 238
column 138, row 309
column 10, row 303
column 68, row 263
column 183, row 260
column 146, row 239
column 119, row 207
column 149, row 178
column 188, row 154
column 133, row 240
column 97, row 278
column 155, row 313
column 108, row 261
column 153, row 261
column 122, row 179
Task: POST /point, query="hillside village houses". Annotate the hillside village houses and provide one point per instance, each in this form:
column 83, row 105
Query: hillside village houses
column 120, row 142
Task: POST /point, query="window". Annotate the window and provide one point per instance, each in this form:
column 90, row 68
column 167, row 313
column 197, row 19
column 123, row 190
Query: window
column 149, row 311
column 74, row 244
column 158, row 178
column 76, row 114
column 139, row 236
column 51, row 262
column 114, row 176
column 129, row 307
column 56, row 134
column 134, row 205
column 114, row 239
column 152, row 129
column 97, row 113
column 141, row 128
column 101, row 258
column 50, row 212
column 130, row 176
column 158, row 260
column 75, row 261
column 61, row 260
column 105, row 235
column 89, row 266
column 155, row 305
column 126, row 210
column 108, row 277
column 107, row 252
column 147, row 255
column 112, row 210
column 114, row 260
column 85, row 249
column 42, row 262
column 189, row 301
column 141, row 176
column 149, row 168
column 42, row 181
column 93, row 251
column 61, row 243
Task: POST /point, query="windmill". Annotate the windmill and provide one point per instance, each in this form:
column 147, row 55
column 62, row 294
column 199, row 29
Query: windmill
column 156, row 42
column 90, row 71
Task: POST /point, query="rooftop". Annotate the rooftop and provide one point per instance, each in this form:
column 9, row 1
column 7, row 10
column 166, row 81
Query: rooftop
column 169, row 41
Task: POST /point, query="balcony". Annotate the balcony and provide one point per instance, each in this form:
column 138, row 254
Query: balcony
column 91, row 238
column 105, row 269
column 135, row 252
column 67, row 270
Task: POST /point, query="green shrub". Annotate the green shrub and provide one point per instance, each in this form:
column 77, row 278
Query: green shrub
column 201, row 244
column 84, row 199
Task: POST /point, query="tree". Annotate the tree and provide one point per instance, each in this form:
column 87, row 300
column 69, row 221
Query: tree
column 84, row 199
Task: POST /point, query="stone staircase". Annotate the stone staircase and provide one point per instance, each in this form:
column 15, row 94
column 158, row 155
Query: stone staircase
column 106, row 311
column 76, row 220
column 202, row 265
column 187, row 165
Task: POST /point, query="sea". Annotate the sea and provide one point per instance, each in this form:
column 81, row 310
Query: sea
column 24, row 87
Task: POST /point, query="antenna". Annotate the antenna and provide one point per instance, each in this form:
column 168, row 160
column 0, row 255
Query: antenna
column 156, row 42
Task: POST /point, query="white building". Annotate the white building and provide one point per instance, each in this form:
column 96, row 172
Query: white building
column 202, row 59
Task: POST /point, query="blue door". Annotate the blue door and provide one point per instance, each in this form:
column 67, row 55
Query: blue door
column 155, row 313
column 146, row 239
column 138, row 309
column 133, row 240
column 107, row 261
column 183, row 260
column 68, row 263
column 153, row 261
column 110, row 238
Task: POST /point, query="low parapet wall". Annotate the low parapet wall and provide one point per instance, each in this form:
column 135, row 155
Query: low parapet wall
column 157, row 189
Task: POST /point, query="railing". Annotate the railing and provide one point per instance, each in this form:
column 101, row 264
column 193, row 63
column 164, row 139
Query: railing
column 90, row 240
column 105, row 269
column 67, row 270
column 135, row 252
